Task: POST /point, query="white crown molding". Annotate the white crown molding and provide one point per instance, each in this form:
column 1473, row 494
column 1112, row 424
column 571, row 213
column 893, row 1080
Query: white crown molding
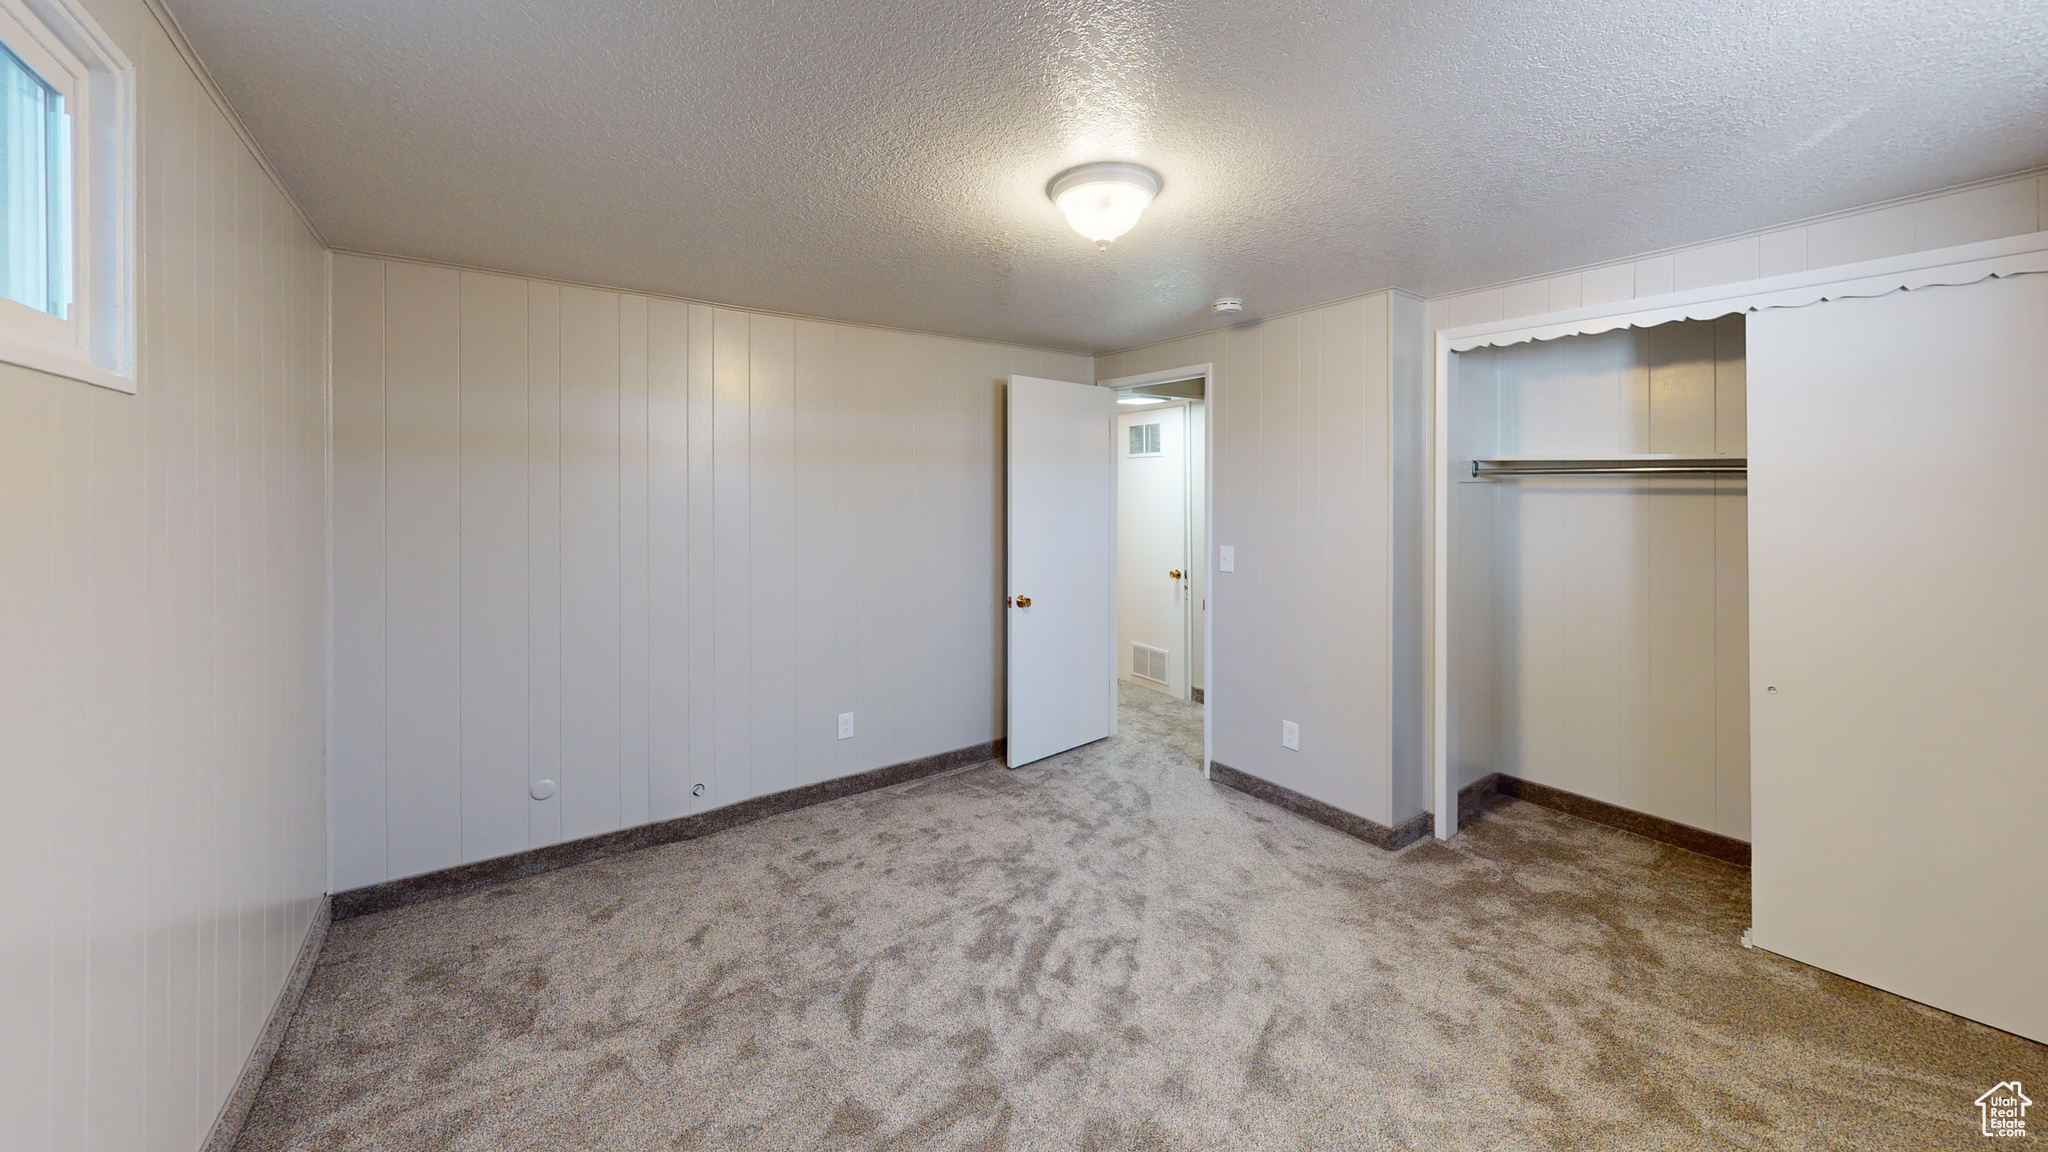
column 751, row 310
column 1961, row 264
column 176, row 33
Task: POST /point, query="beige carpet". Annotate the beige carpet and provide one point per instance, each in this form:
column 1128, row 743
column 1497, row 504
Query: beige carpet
column 1105, row 951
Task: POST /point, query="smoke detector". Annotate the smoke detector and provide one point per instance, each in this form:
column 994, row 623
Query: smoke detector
column 1228, row 306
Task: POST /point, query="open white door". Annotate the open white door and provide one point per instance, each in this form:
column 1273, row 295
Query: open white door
column 1062, row 573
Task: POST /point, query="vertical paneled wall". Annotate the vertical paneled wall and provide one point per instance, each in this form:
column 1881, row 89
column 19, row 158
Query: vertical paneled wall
column 162, row 622
column 1315, row 416
column 637, row 546
column 1600, row 633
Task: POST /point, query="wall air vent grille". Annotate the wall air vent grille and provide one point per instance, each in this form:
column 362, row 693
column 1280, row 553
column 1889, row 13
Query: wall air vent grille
column 1148, row 662
column 1144, row 439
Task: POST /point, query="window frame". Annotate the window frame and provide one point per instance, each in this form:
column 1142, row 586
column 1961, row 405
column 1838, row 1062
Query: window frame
column 95, row 343
column 47, row 327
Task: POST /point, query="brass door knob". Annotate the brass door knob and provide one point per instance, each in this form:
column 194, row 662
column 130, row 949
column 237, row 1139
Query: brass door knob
column 1023, row 601
column 1175, row 573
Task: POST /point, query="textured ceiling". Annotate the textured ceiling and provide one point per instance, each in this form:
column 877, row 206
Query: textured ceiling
column 884, row 161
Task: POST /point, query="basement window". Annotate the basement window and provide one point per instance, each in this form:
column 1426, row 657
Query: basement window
column 66, row 195
column 35, row 189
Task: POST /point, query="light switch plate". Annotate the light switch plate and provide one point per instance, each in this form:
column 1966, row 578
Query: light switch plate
column 1226, row 558
column 846, row 725
column 1290, row 735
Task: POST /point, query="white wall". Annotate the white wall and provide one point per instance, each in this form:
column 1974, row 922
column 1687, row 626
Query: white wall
column 1600, row 637
column 2009, row 206
column 634, row 545
column 1311, row 415
column 162, row 567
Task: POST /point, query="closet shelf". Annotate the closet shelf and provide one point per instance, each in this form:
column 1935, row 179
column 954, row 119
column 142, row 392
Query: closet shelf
column 1508, row 466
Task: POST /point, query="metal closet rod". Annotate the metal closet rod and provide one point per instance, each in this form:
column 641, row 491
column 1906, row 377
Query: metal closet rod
column 1615, row 466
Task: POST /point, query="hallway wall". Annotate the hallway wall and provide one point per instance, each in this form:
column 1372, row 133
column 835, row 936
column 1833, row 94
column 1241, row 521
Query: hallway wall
column 635, row 546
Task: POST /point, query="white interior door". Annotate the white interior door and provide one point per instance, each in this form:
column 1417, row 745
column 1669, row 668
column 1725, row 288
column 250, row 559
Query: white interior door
column 1152, row 548
column 1062, row 573
column 1898, row 694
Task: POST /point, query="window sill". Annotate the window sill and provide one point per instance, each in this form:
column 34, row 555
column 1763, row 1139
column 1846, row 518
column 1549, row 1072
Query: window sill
column 69, row 367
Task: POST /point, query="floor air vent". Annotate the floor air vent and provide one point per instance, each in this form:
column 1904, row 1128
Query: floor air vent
column 1148, row 662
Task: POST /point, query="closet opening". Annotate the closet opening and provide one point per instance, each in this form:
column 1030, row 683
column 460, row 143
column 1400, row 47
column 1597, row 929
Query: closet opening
column 1598, row 578
column 1161, row 442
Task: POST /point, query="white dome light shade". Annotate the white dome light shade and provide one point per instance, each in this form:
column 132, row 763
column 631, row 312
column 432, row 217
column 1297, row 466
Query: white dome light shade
column 1103, row 201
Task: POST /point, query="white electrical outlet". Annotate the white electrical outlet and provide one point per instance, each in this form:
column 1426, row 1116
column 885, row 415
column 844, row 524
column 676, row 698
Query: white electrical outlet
column 846, row 725
column 1226, row 558
column 1290, row 735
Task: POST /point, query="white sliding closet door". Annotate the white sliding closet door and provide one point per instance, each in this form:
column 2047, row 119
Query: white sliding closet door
column 1899, row 642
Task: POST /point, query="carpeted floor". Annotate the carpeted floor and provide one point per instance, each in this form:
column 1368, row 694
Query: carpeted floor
column 1104, row 951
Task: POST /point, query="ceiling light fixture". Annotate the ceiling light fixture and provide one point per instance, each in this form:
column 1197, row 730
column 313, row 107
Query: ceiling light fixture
column 1138, row 399
column 1103, row 201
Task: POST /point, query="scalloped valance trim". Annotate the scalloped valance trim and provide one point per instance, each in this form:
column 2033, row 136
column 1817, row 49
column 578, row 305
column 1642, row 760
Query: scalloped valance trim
column 1963, row 264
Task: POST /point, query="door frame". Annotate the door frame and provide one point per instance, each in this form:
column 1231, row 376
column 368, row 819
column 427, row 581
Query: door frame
column 1107, row 429
column 1187, row 557
column 1211, row 406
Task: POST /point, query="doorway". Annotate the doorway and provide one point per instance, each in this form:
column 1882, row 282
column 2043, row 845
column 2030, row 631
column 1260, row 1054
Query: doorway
column 1162, row 523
